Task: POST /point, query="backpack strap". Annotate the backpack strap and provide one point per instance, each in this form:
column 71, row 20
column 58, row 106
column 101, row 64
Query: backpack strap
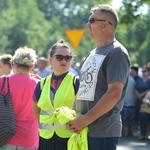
column 74, row 80
column 41, row 86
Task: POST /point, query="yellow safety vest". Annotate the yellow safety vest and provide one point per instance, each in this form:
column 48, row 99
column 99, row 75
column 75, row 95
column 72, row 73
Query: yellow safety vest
column 64, row 96
column 78, row 141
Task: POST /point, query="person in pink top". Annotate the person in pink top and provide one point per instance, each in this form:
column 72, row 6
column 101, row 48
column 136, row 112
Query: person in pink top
column 22, row 85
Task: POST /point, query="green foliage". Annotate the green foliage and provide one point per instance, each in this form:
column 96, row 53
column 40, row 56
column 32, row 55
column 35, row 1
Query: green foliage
column 134, row 30
column 22, row 24
column 131, row 11
column 136, row 39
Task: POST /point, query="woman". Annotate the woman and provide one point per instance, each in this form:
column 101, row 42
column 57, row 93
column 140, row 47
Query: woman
column 22, row 86
column 145, row 119
column 56, row 90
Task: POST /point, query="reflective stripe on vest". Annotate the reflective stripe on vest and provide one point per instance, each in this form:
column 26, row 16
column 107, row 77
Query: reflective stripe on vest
column 46, row 112
column 51, row 126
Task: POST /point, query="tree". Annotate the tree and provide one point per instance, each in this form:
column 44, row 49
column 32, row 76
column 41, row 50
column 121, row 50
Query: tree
column 66, row 14
column 41, row 28
column 131, row 11
column 135, row 39
column 22, row 24
column 134, row 30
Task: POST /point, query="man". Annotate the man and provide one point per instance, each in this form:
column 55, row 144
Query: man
column 128, row 111
column 138, row 80
column 135, row 73
column 42, row 68
column 103, row 82
column 5, row 64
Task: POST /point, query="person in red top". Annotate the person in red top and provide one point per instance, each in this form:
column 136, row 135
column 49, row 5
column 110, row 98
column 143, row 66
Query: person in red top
column 22, row 85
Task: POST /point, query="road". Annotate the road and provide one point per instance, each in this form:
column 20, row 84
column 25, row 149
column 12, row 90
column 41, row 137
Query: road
column 132, row 143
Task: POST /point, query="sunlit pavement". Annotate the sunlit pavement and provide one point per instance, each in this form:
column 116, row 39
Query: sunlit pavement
column 132, row 143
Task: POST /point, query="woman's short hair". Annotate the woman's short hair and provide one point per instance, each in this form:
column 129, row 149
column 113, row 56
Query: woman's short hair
column 25, row 56
column 6, row 59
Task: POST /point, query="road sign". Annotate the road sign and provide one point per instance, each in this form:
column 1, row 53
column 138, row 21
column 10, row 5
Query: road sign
column 75, row 36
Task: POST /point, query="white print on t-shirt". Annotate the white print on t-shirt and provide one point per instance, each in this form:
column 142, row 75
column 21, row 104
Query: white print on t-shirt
column 88, row 77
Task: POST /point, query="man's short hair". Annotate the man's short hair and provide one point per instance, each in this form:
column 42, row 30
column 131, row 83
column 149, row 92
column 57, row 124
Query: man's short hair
column 135, row 68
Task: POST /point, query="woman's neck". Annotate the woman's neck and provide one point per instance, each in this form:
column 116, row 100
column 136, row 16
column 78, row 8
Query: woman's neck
column 59, row 73
column 22, row 71
column 59, row 76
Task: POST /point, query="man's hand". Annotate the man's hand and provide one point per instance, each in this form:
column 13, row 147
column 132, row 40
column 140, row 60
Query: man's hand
column 77, row 125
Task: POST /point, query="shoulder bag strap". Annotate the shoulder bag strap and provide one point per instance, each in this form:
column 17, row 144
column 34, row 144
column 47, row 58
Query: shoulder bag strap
column 8, row 84
column 3, row 83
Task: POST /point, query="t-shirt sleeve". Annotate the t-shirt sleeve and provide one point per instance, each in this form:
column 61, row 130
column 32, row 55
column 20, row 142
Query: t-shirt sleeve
column 37, row 92
column 118, row 67
column 76, row 87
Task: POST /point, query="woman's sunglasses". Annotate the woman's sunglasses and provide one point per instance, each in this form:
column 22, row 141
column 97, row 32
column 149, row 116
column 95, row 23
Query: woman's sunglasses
column 61, row 57
column 144, row 71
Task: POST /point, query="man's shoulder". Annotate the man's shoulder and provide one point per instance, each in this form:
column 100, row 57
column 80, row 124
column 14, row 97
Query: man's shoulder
column 119, row 47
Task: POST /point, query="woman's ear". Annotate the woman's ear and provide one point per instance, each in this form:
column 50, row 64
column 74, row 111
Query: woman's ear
column 50, row 60
column 14, row 66
column 31, row 68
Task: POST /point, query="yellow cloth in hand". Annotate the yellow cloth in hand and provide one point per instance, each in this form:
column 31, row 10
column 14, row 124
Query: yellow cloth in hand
column 77, row 141
column 64, row 114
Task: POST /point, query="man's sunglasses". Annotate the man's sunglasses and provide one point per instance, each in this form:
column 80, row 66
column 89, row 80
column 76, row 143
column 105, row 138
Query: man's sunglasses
column 92, row 20
column 61, row 57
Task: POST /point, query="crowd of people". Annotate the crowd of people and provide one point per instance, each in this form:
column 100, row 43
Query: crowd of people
column 138, row 90
column 105, row 91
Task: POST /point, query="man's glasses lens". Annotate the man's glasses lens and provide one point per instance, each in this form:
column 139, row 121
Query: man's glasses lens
column 91, row 20
column 61, row 57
